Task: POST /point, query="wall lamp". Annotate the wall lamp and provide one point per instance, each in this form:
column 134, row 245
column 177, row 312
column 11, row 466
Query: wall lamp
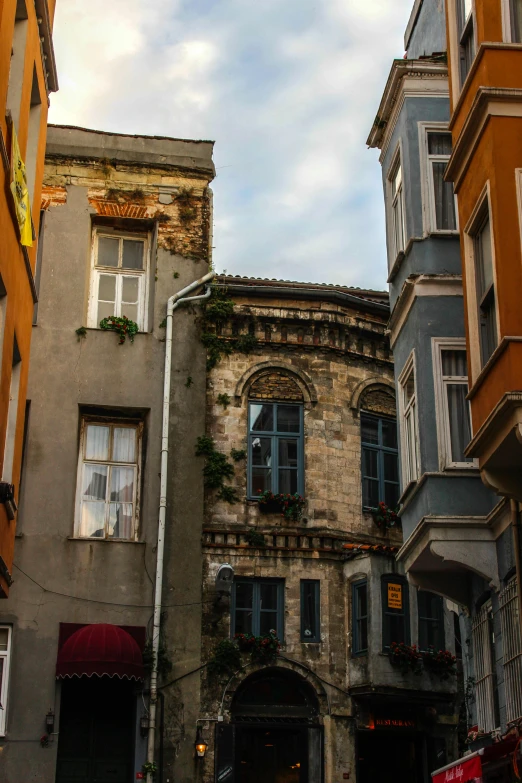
column 49, row 721
column 144, row 725
column 201, row 745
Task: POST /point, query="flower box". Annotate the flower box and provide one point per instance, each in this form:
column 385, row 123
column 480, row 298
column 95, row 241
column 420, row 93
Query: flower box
column 270, row 507
column 289, row 506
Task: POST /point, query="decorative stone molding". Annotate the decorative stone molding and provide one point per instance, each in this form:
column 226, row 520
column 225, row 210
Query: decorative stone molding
column 376, row 382
column 302, row 380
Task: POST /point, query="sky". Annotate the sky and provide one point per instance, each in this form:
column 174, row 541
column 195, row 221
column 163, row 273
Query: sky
column 287, row 89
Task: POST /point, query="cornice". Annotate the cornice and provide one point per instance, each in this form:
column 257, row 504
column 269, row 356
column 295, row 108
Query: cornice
column 509, row 403
column 486, row 104
column 395, row 92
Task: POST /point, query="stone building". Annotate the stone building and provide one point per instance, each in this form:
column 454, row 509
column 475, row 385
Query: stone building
column 126, row 224
column 304, row 401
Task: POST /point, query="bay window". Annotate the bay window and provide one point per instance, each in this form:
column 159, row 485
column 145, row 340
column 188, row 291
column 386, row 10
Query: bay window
column 485, row 287
column 451, row 388
column 466, row 33
column 397, row 228
column 442, row 199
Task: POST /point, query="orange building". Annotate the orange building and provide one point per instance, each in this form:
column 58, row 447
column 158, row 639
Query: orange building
column 485, row 67
column 27, row 76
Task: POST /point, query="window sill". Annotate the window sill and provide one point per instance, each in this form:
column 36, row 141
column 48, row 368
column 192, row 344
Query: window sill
column 105, row 540
column 444, row 234
column 305, row 641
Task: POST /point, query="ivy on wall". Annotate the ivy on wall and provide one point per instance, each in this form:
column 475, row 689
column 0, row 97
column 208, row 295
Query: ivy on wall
column 217, row 468
column 218, row 309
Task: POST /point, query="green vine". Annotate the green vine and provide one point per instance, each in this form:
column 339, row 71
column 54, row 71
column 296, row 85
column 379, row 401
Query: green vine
column 164, row 662
column 217, row 468
column 255, row 539
column 81, row 332
column 226, row 659
column 215, row 313
column 150, row 767
column 238, row 454
column 123, row 326
column 224, row 400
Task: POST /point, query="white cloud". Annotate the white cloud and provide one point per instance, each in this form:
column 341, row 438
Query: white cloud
column 287, row 90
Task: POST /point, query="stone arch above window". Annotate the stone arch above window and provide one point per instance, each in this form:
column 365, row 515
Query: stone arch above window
column 275, row 385
column 375, row 395
column 276, row 381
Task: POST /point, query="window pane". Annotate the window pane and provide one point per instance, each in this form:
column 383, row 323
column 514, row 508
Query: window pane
column 107, row 288
column 396, row 628
column 108, row 249
column 391, row 495
column 261, row 450
column 243, row 622
column 131, row 311
column 244, row 594
column 371, row 493
column 391, row 467
column 439, row 144
column 369, row 429
column 122, row 484
column 105, row 309
column 120, row 520
column 261, row 417
column 370, row 463
column 267, row 623
column 409, row 387
column 459, row 424
column 444, row 199
column 467, row 6
column 92, row 522
column 268, row 596
column 454, row 363
column 485, row 258
column 361, row 601
column 397, row 180
column 288, row 481
column 516, row 17
column 288, row 418
column 362, row 632
column 389, row 434
column 288, row 453
column 97, row 442
column 130, row 289
column 124, row 444
column 132, row 254
column 94, row 484
column 309, row 624
column 4, row 638
column 261, row 480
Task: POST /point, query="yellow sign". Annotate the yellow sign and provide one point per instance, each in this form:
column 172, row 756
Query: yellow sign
column 20, row 193
column 394, row 596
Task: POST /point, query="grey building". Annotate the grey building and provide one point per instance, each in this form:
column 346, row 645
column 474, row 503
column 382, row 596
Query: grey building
column 126, row 224
column 457, row 540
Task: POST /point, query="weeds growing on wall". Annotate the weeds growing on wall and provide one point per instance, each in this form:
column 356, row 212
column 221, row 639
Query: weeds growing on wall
column 226, row 659
column 217, row 468
column 215, row 313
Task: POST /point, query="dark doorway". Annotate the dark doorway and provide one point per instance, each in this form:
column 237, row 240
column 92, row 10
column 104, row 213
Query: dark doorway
column 272, row 755
column 95, row 741
column 389, row 757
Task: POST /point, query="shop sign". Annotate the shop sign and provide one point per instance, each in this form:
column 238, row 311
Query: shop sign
column 394, row 723
column 224, row 773
column 394, row 596
column 466, row 770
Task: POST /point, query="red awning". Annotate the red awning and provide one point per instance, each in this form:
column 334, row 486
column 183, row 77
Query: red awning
column 100, row 649
column 461, row 771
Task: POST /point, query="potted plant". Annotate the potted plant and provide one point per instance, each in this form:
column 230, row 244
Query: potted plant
column 439, row 662
column 407, row 658
column 262, row 649
column 386, row 517
column 289, row 506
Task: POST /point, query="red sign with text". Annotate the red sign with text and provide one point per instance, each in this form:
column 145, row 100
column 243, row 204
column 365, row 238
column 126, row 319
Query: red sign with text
column 461, row 772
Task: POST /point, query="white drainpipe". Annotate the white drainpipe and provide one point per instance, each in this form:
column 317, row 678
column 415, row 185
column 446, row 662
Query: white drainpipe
column 172, row 304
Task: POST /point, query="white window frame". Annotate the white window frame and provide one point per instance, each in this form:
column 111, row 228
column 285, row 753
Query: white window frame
column 438, row 345
column 428, row 190
column 454, row 44
column 104, row 422
column 469, row 235
column 4, row 690
column 96, row 271
column 507, row 22
column 410, row 462
column 397, row 162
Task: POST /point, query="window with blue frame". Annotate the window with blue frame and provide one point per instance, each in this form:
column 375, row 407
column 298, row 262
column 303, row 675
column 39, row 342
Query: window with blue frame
column 395, row 610
column 257, row 606
column 310, row 611
column 431, row 620
column 360, row 617
column 380, row 466
column 275, row 448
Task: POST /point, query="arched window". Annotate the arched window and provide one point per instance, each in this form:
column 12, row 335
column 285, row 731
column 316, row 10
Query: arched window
column 275, row 435
column 379, row 455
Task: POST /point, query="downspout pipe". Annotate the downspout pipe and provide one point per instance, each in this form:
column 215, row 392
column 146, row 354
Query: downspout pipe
column 173, row 303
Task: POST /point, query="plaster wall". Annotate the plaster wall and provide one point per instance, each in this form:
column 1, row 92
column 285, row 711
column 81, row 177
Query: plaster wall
column 429, row 32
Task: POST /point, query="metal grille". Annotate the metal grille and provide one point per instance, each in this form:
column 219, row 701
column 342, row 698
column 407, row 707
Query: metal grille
column 484, row 684
column 512, row 648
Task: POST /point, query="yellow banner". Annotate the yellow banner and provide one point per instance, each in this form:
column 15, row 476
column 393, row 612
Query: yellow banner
column 20, row 193
column 394, row 596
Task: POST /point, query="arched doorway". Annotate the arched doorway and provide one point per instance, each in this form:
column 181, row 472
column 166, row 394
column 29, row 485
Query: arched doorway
column 274, row 735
